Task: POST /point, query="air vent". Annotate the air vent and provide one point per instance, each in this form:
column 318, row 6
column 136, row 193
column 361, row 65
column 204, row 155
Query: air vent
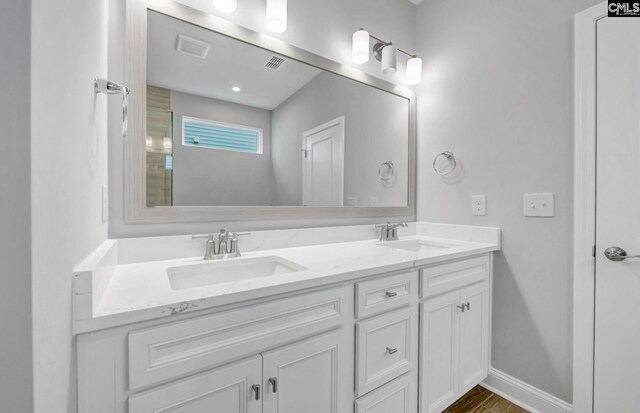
column 192, row 47
column 274, row 63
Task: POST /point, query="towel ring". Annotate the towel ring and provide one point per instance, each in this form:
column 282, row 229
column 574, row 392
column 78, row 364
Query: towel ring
column 452, row 160
column 390, row 171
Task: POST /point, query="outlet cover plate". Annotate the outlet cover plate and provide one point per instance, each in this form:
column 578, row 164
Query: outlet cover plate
column 539, row 205
column 479, row 205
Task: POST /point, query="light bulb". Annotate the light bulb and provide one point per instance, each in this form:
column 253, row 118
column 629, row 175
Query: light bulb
column 225, row 6
column 277, row 15
column 389, row 59
column 360, row 47
column 414, row 71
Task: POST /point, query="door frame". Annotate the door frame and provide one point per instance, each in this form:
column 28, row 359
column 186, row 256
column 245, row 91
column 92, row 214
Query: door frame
column 584, row 205
column 339, row 121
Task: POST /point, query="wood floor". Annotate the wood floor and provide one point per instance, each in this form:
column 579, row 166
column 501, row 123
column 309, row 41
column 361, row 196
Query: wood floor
column 481, row 400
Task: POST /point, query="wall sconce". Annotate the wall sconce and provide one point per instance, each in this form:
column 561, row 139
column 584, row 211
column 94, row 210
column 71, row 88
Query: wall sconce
column 276, row 12
column 225, row 6
column 277, row 15
column 386, row 53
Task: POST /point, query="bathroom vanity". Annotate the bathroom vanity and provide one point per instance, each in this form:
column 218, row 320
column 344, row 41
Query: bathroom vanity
column 357, row 326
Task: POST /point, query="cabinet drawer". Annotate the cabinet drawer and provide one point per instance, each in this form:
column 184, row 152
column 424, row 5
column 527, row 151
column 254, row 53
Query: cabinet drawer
column 446, row 277
column 227, row 389
column 386, row 348
column 164, row 352
column 386, row 293
column 399, row 396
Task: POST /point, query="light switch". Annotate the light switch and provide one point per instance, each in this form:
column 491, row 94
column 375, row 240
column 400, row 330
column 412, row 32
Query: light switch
column 539, row 205
column 479, row 205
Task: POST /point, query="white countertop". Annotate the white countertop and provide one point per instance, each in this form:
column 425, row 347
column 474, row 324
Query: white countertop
column 142, row 291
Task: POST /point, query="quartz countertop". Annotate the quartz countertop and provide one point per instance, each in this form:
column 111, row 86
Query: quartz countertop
column 142, row 291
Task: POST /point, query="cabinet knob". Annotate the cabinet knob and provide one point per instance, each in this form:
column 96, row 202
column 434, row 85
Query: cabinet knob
column 256, row 390
column 392, row 350
column 390, row 294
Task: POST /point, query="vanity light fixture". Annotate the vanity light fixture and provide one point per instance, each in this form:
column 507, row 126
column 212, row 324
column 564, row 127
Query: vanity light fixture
column 386, row 53
column 277, row 15
column 225, row 6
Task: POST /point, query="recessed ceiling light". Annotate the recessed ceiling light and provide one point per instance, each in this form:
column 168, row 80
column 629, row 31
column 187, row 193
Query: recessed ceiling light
column 236, row 89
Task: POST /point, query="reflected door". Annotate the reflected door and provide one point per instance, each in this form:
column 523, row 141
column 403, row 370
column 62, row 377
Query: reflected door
column 617, row 303
column 323, row 165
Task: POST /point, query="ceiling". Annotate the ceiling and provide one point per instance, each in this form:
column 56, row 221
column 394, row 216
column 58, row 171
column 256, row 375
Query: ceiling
column 229, row 63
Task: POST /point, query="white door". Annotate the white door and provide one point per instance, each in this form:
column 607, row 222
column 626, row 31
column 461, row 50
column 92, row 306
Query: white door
column 232, row 389
column 617, row 303
column 308, row 376
column 323, row 164
column 474, row 335
column 439, row 344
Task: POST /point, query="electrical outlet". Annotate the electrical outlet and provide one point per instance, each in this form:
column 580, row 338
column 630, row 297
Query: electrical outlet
column 539, row 205
column 374, row 201
column 479, row 205
column 352, row 201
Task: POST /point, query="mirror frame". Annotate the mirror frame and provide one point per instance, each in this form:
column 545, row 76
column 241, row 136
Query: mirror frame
column 136, row 209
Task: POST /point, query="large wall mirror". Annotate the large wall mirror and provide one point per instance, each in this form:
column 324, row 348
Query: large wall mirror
column 228, row 124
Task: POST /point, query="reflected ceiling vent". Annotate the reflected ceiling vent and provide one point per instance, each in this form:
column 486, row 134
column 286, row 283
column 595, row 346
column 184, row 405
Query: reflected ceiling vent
column 192, row 47
column 274, row 63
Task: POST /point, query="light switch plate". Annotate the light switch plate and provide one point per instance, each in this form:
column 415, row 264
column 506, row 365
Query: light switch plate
column 539, row 205
column 479, row 205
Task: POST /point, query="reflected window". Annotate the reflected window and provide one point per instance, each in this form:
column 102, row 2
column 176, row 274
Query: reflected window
column 223, row 136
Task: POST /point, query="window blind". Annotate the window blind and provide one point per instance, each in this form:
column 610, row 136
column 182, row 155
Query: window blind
column 210, row 134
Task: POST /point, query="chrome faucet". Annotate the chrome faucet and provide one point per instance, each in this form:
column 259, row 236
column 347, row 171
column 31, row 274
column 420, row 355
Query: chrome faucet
column 389, row 231
column 227, row 244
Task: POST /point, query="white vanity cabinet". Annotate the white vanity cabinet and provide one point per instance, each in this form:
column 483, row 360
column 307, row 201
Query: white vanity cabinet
column 308, row 376
column 454, row 317
column 358, row 346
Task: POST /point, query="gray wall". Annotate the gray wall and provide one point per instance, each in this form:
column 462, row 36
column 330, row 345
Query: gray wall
column 16, row 367
column 376, row 130
column 212, row 177
column 322, row 27
column 68, row 165
column 497, row 90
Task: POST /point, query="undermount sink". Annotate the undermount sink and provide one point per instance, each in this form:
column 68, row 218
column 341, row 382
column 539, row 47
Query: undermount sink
column 218, row 272
column 416, row 245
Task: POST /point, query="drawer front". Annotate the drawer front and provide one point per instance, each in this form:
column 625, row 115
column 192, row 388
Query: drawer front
column 399, row 396
column 446, row 277
column 387, row 348
column 161, row 353
column 386, row 293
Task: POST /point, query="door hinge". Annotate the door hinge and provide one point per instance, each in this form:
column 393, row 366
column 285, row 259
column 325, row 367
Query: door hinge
column 593, row 251
column 305, row 152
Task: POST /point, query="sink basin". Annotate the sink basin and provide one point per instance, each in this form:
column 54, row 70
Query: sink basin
column 416, row 245
column 218, row 272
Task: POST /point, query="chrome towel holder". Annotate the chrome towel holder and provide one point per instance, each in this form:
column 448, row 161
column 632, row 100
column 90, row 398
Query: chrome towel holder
column 112, row 88
column 450, row 158
column 390, row 171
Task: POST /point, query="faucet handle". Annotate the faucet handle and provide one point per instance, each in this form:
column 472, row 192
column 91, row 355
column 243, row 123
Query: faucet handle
column 208, row 236
column 235, row 248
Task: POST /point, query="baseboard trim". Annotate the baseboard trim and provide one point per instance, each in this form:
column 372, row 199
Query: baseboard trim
column 523, row 394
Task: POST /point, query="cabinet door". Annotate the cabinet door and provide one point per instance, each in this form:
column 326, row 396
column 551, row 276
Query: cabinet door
column 474, row 335
column 439, row 345
column 308, row 376
column 227, row 389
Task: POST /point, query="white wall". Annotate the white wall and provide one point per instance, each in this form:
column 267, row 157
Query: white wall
column 376, row 130
column 68, row 165
column 497, row 90
column 322, row 27
column 204, row 176
column 16, row 373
